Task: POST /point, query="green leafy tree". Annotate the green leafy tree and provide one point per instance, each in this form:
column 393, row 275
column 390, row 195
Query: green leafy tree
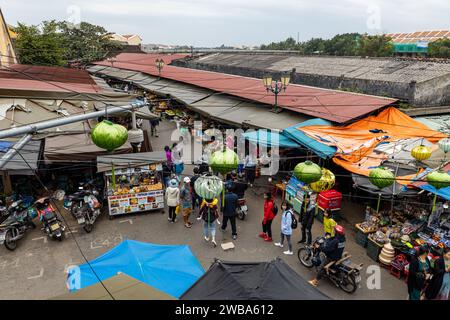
column 87, row 42
column 40, row 45
column 375, row 46
column 343, row 44
column 439, row 49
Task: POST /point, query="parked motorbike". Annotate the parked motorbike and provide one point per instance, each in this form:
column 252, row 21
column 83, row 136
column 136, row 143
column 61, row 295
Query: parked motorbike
column 84, row 206
column 52, row 226
column 343, row 273
column 242, row 209
column 17, row 223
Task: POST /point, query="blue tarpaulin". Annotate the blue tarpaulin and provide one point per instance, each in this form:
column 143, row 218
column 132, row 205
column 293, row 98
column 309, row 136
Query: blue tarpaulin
column 322, row 150
column 5, row 146
column 172, row 269
column 270, row 138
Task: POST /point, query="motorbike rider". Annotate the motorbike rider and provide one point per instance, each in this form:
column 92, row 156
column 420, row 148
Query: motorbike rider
column 333, row 248
column 239, row 187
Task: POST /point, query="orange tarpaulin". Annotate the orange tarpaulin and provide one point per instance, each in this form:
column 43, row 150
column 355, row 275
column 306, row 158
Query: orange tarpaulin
column 355, row 142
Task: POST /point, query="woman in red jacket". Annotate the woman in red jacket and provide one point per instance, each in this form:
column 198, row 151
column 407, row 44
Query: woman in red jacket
column 268, row 217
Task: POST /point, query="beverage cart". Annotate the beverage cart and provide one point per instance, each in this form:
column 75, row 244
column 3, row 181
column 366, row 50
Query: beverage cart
column 133, row 182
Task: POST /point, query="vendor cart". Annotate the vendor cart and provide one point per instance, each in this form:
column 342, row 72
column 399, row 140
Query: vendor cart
column 133, row 182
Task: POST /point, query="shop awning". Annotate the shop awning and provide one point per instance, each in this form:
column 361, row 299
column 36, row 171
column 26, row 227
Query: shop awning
column 105, row 163
column 76, row 147
column 322, row 150
column 121, row 287
column 270, row 138
column 25, row 162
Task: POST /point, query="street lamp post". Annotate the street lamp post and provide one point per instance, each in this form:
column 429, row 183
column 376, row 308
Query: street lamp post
column 276, row 87
column 159, row 65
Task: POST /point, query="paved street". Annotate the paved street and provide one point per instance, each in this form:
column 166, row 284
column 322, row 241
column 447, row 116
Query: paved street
column 36, row 269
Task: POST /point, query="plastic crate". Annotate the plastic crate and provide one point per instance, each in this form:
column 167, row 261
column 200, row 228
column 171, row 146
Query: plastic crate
column 330, row 199
column 373, row 250
column 361, row 238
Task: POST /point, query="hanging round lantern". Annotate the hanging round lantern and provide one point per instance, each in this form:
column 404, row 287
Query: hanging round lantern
column 224, row 161
column 444, row 145
column 308, row 172
column 208, row 187
column 439, row 179
column 381, row 177
column 325, row 183
column 109, row 136
column 421, row 153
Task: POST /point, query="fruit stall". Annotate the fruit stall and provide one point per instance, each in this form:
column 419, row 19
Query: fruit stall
column 133, row 182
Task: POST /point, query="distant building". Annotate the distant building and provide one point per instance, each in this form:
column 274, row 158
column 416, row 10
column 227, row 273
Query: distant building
column 128, row 39
column 416, row 43
column 7, row 54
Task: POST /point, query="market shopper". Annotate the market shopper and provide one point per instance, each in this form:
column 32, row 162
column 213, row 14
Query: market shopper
column 172, row 199
column 419, row 273
column 328, row 223
column 168, row 156
column 333, row 248
column 307, row 221
column 439, row 286
column 229, row 211
column 239, row 186
column 196, row 199
column 209, row 212
column 186, row 201
column 250, row 168
column 154, row 127
column 270, row 211
column 286, row 228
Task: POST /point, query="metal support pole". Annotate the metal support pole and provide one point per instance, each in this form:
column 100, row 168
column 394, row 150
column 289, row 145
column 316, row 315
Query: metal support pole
column 35, row 127
column 13, row 150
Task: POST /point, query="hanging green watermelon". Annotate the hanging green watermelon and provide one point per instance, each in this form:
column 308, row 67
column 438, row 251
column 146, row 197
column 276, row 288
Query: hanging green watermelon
column 208, row 187
column 224, row 161
column 381, row 177
column 109, row 136
column 308, row 172
column 439, row 179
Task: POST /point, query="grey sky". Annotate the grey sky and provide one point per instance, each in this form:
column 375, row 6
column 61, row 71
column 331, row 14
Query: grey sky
column 237, row 22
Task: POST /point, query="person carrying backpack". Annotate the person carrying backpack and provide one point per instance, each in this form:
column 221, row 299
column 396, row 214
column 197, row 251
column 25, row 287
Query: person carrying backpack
column 288, row 222
column 209, row 212
column 270, row 211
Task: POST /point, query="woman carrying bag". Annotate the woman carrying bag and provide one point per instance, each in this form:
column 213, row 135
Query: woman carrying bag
column 439, row 286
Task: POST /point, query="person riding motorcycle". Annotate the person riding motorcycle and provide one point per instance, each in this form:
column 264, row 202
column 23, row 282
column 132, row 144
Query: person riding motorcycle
column 238, row 186
column 333, row 248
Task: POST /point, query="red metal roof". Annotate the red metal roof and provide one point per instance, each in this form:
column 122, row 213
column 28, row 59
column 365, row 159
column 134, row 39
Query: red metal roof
column 42, row 78
column 333, row 105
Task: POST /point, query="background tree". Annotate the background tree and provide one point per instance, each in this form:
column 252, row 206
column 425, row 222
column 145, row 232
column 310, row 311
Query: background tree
column 346, row 44
column 40, row 45
column 57, row 43
column 87, row 42
column 439, row 49
column 375, row 46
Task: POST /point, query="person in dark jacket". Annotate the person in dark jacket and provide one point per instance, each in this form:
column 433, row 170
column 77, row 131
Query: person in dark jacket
column 229, row 211
column 307, row 221
column 438, row 288
column 209, row 212
column 333, row 248
column 419, row 273
column 196, row 199
column 239, row 187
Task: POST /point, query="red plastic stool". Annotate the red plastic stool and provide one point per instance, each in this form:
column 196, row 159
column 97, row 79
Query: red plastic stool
column 396, row 272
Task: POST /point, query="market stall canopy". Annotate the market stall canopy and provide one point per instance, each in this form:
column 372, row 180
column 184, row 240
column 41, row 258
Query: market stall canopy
column 142, row 113
column 314, row 102
column 43, row 82
column 171, row 269
column 76, row 147
column 217, row 106
column 269, row 138
column 104, row 163
column 24, row 162
column 273, row 280
column 355, row 143
column 322, row 150
column 121, row 287
column 439, row 123
column 399, row 187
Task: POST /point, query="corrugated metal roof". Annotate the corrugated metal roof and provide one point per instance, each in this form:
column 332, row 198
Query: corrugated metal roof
column 332, row 105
